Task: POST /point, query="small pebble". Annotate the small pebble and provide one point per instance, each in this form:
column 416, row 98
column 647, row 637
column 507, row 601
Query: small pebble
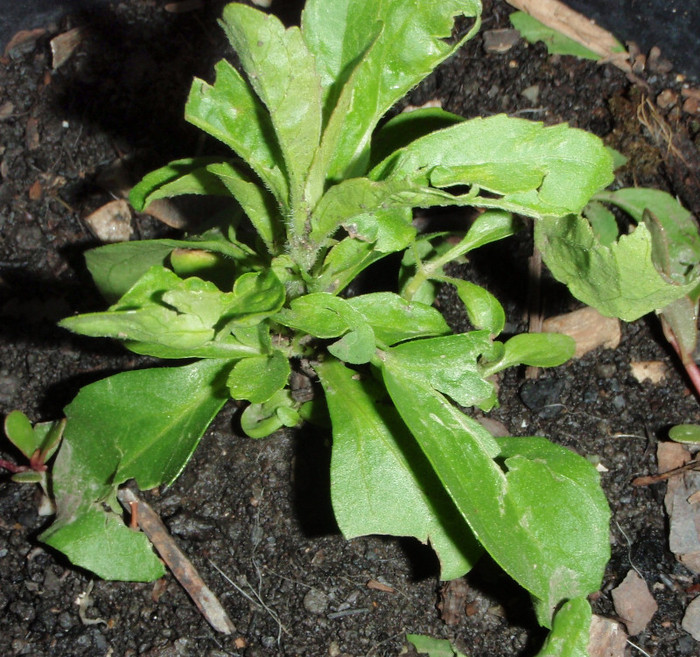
column 315, row 602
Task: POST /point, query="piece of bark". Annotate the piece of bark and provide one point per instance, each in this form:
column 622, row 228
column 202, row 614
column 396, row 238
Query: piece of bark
column 607, row 638
column 588, row 328
column 64, row 45
column 633, row 602
column 185, row 573
column 570, row 23
column 453, row 601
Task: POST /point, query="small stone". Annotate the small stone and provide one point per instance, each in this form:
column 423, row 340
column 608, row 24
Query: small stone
column 500, row 41
column 649, row 370
column 607, row 638
column 691, row 106
column 111, row 222
column 667, row 98
column 588, row 328
column 532, row 93
column 691, row 620
column 543, row 396
column 633, row 603
column 656, row 64
column 315, row 602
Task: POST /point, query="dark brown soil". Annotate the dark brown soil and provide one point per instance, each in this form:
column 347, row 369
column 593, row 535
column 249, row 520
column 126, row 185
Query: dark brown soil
column 255, row 515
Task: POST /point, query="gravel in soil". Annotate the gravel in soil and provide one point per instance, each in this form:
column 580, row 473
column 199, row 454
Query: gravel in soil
column 255, row 516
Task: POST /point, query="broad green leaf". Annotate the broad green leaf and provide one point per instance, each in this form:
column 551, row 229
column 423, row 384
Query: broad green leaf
column 533, row 349
column 406, row 127
column 570, row 633
column 357, row 346
column 490, row 226
column 602, row 222
column 393, row 319
column 532, row 169
column 343, row 263
column 483, row 309
column 100, row 542
column 231, row 112
column 388, row 230
column 685, row 433
column 426, row 645
column 141, row 425
column 316, row 314
column 557, row 44
column 450, row 364
column 116, row 267
column 380, row 481
column 675, row 237
column 256, row 296
column 257, row 379
column 257, row 203
column 282, row 71
column 187, row 176
column 19, row 430
column 413, row 41
column 619, row 280
column 261, row 420
column 528, row 515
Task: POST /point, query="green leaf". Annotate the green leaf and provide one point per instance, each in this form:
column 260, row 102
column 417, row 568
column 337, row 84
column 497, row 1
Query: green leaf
column 19, row 430
column 685, row 433
column 528, row 515
column 619, row 280
column 535, row 350
column 426, row 645
column 256, row 379
column 675, row 237
column 283, row 73
column 116, row 267
column 369, row 80
column 256, row 296
column 380, row 481
column 318, row 314
column 257, row 203
column 141, row 425
column 570, row 634
column 393, row 319
column 100, row 542
column 450, row 364
column 261, row 420
column 231, row 112
column 186, row 176
column 602, row 222
column 357, row 346
column 557, row 44
column 483, row 309
column 531, row 169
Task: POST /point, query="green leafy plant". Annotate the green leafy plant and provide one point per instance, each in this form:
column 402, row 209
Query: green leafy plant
column 258, row 306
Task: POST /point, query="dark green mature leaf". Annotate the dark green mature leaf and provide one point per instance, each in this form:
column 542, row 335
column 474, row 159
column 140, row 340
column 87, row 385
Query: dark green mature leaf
column 380, row 481
column 675, row 236
column 258, row 378
column 231, row 112
column 619, row 280
column 100, row 541
column 450, row 364
column 535, row 170
column 394, row 319
column 413, row 40
column 570, row 634
column 283, row 73
column 116, row 267
column 141, row 425
column 186, row 176
column 528, row 516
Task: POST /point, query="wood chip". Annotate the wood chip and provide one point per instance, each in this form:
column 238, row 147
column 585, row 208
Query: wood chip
column 32, row 137
column 607, row 638
column 179, row 564
column 633, row 602
column 588, row 328
column 649, row 370
column 453, row 601
column 111, row 222
column 376, row 585
column 64, row 45
column 35, row 191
